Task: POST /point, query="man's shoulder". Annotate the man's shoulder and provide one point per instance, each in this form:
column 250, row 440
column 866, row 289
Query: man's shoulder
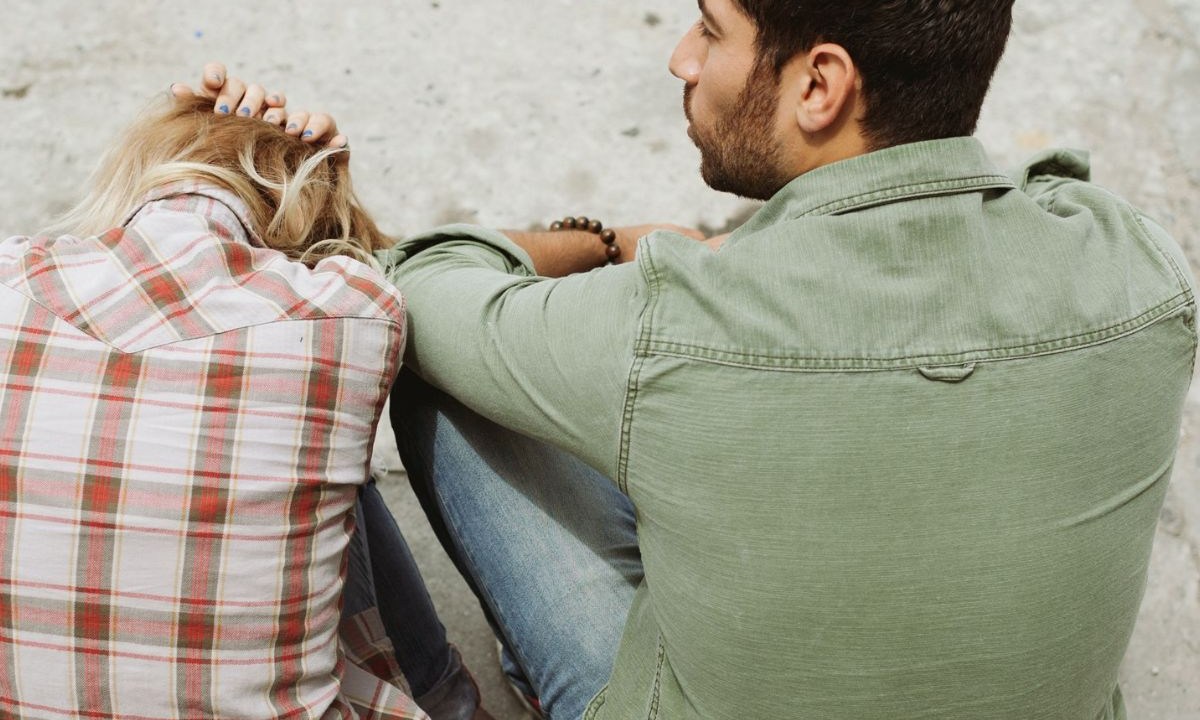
column 1060, row 182
column 1038, row 262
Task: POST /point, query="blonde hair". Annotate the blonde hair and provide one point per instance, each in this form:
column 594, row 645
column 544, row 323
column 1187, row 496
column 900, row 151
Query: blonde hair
column 299, row 194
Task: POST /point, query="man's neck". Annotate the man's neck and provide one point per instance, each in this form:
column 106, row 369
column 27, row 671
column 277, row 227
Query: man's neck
column 819, row 152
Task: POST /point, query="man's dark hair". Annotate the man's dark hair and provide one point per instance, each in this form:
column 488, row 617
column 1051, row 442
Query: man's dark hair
column 926, row 64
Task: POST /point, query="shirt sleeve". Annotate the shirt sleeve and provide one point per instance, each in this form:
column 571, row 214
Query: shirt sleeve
column 549, row 358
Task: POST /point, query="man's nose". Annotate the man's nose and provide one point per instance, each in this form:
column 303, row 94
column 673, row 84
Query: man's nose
column 688, row 59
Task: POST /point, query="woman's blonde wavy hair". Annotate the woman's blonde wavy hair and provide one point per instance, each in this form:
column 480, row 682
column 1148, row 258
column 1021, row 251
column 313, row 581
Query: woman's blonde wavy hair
column 299, row 194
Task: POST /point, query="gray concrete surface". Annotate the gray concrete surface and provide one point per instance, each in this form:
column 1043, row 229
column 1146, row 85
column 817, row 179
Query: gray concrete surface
column 509, row 114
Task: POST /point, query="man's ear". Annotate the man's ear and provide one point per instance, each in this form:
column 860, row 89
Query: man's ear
column 828, row 81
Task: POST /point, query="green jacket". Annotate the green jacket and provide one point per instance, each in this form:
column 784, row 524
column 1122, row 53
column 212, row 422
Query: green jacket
column 897, row 450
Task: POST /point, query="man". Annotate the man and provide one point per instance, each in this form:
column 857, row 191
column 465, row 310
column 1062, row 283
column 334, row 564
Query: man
column 896, row 450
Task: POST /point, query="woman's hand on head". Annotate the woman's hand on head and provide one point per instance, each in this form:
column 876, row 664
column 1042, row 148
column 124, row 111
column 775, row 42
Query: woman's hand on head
column 232, row 96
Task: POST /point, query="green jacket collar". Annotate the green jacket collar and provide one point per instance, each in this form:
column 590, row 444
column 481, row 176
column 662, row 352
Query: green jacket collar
column 904, row 172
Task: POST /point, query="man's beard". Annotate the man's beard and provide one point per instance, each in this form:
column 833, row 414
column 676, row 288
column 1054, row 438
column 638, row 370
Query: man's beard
column 739, row 154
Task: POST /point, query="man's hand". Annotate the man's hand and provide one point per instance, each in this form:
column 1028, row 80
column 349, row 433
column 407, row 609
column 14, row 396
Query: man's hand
column 717, row 241
column 627, row 237
column 232, row 96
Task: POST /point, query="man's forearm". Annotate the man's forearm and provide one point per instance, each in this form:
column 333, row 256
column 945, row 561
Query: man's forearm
column 564, row 252
column 559, row 253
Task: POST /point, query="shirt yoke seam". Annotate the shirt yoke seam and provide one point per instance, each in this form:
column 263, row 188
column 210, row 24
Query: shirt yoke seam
column 768, row 361
column 399, row 326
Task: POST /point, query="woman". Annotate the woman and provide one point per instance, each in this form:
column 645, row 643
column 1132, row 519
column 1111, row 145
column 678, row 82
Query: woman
column 194, row 366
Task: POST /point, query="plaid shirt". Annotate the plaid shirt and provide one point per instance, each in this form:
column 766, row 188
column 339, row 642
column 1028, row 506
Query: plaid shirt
column 185, row 419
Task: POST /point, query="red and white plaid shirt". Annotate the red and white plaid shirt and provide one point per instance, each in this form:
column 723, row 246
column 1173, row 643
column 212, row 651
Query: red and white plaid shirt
column 185, row 419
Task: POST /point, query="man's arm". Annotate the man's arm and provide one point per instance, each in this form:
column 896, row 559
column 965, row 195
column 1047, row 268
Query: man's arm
column 563, row 252
column 547, row 357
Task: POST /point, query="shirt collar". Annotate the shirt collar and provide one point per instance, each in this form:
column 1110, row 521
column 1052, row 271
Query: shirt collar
column 228, row 215
column 903, row 172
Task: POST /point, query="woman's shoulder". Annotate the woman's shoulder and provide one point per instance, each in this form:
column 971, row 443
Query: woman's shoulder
column 185, row 265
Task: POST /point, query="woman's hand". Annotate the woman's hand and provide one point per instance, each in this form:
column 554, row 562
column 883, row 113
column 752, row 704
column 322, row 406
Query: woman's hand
column 232, row 96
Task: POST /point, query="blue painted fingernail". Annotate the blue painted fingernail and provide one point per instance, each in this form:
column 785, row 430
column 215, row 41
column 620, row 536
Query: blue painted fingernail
column 291, row 126
column 245, row 111
column 308, row 133
column 224, row 109
column 216, row 76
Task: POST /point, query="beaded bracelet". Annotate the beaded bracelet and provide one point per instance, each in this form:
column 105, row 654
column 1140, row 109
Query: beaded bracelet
column 608, row 237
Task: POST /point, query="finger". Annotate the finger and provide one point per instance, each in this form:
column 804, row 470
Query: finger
column 212, row 79
column 275, row 116
column 181, row 91
column 716, row 243
column 341, row 142
column 231, row 94
column 320, row 128
column 276, row 99
column 686, row 232
column 252, row 102
column 296, row 122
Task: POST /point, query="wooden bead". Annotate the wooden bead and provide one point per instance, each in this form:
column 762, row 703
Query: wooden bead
column 608, row 237
column 585, row 224
column 613, row 251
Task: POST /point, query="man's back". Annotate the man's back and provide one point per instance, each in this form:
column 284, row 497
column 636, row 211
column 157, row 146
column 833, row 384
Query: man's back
column 897, row 450
column 941, row 416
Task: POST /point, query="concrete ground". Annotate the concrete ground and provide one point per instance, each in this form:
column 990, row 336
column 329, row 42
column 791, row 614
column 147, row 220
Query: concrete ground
column 510, row 114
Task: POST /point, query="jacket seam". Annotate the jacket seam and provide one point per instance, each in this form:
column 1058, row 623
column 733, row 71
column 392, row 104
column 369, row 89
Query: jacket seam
column 656, row 693
column 664, row 348
column 1148, row 238
column 651, row 275
column 595, row 704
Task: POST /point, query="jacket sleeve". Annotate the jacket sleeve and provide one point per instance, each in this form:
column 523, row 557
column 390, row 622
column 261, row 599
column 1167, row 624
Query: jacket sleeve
column 549, row 358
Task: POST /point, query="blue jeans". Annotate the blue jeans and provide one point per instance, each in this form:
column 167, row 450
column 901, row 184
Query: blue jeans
column 547, row 543
column 382, row 572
